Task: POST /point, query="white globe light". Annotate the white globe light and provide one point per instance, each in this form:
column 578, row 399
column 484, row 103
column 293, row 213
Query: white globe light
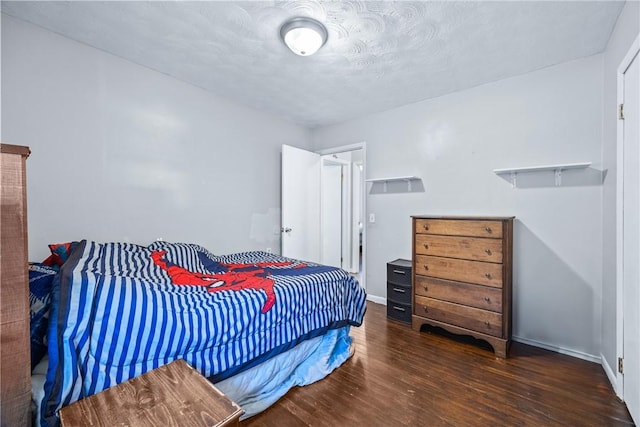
column 304, row 36
column 303, row 41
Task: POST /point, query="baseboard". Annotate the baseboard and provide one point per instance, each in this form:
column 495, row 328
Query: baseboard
column 561, row 350
column 377, row 300
column 580, row 355
column 611, row 374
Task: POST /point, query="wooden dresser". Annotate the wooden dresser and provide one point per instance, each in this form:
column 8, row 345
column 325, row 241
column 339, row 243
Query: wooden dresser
column 462, row 276
column 15, row 369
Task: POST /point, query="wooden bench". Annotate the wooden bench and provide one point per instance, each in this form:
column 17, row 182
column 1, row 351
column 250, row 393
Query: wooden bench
column 171, row 395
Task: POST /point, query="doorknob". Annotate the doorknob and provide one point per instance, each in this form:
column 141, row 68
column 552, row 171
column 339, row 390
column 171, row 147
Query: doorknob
column 285, row 229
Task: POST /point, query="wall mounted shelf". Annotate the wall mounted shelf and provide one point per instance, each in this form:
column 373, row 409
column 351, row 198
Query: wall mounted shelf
column 407, row 179
column 557, row 169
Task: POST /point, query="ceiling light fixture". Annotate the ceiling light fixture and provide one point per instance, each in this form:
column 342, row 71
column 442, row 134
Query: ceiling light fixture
column 304, row 36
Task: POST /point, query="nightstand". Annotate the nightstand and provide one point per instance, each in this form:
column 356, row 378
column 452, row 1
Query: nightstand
column 173, row 394
column 399, row 290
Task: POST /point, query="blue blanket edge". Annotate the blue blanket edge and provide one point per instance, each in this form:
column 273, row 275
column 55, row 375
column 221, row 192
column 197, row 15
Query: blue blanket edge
column 53, row 381
column 281, row 349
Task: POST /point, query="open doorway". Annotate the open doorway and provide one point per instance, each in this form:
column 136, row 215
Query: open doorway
column 335, row 212
column 341, row 241
column 342, row 208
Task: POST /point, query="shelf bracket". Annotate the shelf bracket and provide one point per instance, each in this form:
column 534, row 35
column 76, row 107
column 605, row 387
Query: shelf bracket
column 558, row 174
column 409, row 185
column 384, row 186
column 513, row 176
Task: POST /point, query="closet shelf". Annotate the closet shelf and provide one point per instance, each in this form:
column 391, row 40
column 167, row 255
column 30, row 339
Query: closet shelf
column 407, row 179
column 557, row 169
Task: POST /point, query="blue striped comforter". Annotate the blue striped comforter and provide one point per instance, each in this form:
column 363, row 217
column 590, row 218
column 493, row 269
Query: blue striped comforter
column 120, row 314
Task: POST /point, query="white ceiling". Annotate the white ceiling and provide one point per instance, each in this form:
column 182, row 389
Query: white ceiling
column 379, row 55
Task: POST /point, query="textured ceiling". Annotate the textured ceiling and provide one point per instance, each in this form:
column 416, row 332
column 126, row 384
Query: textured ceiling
column 379, row 55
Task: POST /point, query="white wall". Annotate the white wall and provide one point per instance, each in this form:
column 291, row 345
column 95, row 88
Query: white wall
column 453, row 142
column 626, row 30
column 121, row 152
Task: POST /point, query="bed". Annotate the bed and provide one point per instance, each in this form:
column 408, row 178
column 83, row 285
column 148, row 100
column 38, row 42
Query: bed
column 254, row 323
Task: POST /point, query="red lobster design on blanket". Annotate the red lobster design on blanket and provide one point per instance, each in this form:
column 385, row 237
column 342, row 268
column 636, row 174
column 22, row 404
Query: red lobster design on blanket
column 236, row 278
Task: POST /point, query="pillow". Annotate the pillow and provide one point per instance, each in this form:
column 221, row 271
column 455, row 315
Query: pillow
column 40, row 285
column 186, row 255
column 59, row 254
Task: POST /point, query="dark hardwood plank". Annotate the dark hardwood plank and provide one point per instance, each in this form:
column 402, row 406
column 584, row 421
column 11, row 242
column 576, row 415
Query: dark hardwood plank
column 401, row 377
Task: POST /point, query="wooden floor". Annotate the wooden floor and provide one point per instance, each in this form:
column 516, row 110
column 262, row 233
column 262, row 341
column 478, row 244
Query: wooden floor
column 400, row 377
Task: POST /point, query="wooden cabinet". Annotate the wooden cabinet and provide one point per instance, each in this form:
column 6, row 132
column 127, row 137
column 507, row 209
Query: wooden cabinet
column 462, row 276
column 15, row 369
column 399, row 290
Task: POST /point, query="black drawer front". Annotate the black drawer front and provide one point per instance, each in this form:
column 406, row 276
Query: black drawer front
column 398, row 293
column 399, row 312
column 399, row 275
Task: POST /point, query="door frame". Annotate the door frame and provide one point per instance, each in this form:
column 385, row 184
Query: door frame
column 345, row 208
column 357, row 197
column 352, row 147
column 633, row 51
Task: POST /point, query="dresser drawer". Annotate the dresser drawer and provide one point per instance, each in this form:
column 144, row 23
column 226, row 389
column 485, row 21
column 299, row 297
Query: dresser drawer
column 399, row 312
column 483, row 273
column 454, row 227
column 400, row 275
column 473, row 248
column 398, row 293
column 484, row 297
column 478, row 320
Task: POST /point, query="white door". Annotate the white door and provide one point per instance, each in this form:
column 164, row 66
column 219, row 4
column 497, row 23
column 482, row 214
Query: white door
column 631, row 240
column 300, row 204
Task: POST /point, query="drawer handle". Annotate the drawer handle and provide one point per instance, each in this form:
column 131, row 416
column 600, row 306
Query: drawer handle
column 487, row 299
column 426, row 267
column 426, row 246
column 426, row 309
column 487, row 251
column 488, row 230
column 426, row 227
column 487, row 324
column 487, row 275
column 402, row 291
column 399, row 308
column 399, row 272
column 426, row 288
